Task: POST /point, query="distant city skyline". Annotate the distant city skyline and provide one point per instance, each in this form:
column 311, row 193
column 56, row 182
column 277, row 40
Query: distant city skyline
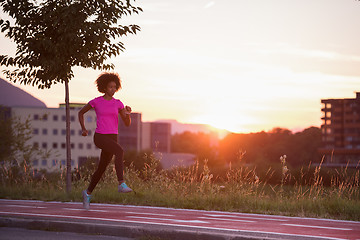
column 240, row 65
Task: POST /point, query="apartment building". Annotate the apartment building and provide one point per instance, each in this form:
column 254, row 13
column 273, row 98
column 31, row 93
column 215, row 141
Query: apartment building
column 130, row 137
column 156, row 136
column 49, row 132
column 341, row 131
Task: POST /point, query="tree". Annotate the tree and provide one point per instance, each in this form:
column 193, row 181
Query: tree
column 15, row 151
column 53, row 36
column 6, row 134
column 198, row 143
column 265, row 148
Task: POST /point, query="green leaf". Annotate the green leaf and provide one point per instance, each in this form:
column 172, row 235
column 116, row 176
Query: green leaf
column 54, row 36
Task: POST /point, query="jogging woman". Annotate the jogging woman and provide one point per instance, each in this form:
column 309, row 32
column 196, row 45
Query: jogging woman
column 107, row 110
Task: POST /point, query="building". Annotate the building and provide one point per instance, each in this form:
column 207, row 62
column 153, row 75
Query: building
column 49, row 134
column 156, row 136
column 341, row 131
column 49, row 131
column 130, row 137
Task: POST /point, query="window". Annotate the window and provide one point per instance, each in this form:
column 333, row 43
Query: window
column 88, row 119
column 35, row 162
column 45, row 117
column 81, row 146
column 63, row 145
column 72, row 146
column 63, row 117
column 55, row 118
column 36, row 145
column 72, row 118
column 44, row 162
column 44, row 145
column 55, row 132
column 329, row 139
column 349, row 138
column 55, row 145
column 88, row 146
column 329, row 146
column 35, row 131
column 89, row 133
column 36, row 116
column 72, row 132
column 44, row 131
column 63, row 162
column 54, row 162
column 63, row 132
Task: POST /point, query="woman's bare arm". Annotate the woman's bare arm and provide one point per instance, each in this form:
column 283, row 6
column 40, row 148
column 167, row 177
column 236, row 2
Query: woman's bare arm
column 81, row 113
column 125, row 115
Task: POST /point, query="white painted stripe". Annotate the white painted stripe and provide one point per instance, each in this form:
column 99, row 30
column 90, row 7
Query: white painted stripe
column 322, row 227
column 24, row 206
column 90, row 210
column 228, row 219
column 257, row 218
column 154, row 214
column 165, row 219
column 16, row 200
column 222, row 212
column 188, row 210
column 176, row 225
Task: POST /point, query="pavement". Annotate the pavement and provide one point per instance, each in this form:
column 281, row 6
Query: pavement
column 10, row 233
column 168, row 223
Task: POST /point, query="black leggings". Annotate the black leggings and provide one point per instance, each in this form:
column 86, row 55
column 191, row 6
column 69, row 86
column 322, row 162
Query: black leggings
column 109, row 147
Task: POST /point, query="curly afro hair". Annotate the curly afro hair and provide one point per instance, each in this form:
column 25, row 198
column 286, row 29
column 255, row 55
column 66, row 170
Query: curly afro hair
column 106, row 77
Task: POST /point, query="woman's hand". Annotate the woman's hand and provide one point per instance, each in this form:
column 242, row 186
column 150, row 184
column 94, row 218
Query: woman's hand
column 125, row 115
column 84, row 132
column 127, row 110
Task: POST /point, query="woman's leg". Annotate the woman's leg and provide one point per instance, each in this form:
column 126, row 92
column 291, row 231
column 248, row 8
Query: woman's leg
column 108, row 144
column 113, row 147
column 105, row 158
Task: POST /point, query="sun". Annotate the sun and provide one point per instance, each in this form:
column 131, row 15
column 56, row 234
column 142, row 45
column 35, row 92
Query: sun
column 221, row 122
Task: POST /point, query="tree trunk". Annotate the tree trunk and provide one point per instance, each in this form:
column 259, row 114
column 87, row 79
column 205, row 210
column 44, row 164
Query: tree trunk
column 68, row 143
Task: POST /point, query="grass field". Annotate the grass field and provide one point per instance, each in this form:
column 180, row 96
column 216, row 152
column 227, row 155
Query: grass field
column 241, row 190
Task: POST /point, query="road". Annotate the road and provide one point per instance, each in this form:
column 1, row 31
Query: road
column 21, row 234
column 133, row 221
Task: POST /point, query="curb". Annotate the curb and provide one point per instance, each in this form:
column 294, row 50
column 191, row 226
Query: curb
column 122, row 230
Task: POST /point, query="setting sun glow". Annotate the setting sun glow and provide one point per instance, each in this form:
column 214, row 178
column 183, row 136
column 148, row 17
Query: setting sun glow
column 256, row 66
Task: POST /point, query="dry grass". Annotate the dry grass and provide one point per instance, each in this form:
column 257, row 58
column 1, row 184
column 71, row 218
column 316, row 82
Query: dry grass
column 241, row 190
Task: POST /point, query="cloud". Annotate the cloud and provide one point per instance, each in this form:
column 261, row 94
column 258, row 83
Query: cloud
column 310, row 53
column 330, row 60
column 209, row 4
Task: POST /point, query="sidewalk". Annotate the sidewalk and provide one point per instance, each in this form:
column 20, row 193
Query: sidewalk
column 168, row 223
column 128, row 230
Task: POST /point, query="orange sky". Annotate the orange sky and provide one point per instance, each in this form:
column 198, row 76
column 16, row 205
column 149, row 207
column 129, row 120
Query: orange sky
column 241, row 65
